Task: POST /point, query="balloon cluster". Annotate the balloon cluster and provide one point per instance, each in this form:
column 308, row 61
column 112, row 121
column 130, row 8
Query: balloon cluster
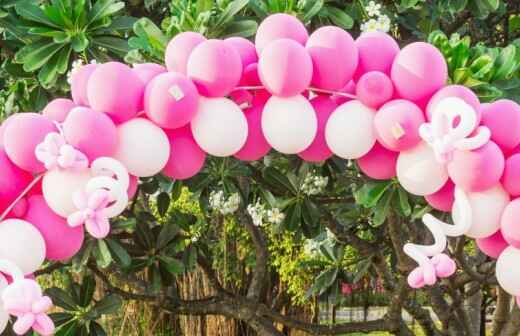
column 315, row 96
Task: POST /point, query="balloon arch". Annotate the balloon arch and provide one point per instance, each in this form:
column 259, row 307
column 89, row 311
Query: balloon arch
column 74, row 166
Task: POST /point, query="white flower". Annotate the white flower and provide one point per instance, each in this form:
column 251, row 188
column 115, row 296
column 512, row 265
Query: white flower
column 314, row 184
column 373, row 9
column 384, row 24
column 275, row 216
column 76, row 65
column 369, row 26
column 311, row 247
column 216, row 199
column 330, row 235
column 257, row 213
column 218, row 202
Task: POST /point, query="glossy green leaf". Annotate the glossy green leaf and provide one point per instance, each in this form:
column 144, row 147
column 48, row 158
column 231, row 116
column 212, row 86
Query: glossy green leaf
column 163, row 203
column 340, row 18
column 38, row 58
column 167, row 234
column 243, row 28
column 61, row 298
column 382, row 208
column 119, row 253
column 110, row 304
column 371, row 192
column 104, row 8
column 323, row 281
column 506, row 63
column 33, row 12
column 231, row 10
column 87, row 289
column 293, row 216
column 102, row 254
column 277, row 179
column 172, row 265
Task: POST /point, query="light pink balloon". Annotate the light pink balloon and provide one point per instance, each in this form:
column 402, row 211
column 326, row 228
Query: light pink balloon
column 379, row 163
column 458, row 91
column 510, row 225
column 186, row 157
column 334, row 57
column 443, row 199
column 22, row 134
column 13, row 181
column 116, row 90
column 418, row 71
column 374, row 89
column 179, row 50
column 58, row 109
column 132, row 186
column 256, row 146
column 397, row 125
column 285, row 68
column 503, row 120
column 511, row 177
column 245, row 48
column 479, row 169
column 148, row 71
column 377, row 52
column 493, row 245
column 91, row 132
column 280, row 26
column 215, row 67
column 61, row 241
column 171, row 100
column 319, row 150
column 79, row 84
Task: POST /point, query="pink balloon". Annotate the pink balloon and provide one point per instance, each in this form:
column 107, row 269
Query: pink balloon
column 493, row 245
column 334, row 56
column 186, row 157
column 319, row 150
column 61, row 241
column 458, row 91
column 350, row 88
column 215, row 67
column 479, row 169
column 443, row 199
column 58, row 109
column 511, row 177
column 179, row 50
column 91, row 132
column 22, row 134
column 148, row 71
column 418, row 71
column 510, row 225
column 245, row 48
column 285, row 68
column 503, row 120
column 256, row 146
column 79, row 84
column 280, row 26
column 13, row 181
column 374, row 89
column 115, row 89
column 171, row 100
column 19, row 209
column 132, row 186
column 397, row 125
column 379, row 163
column 377, row 52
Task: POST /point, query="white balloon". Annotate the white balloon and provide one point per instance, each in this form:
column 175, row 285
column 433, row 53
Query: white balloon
column 143, row 147
column 289, row 124
column 22, row 244
column 419, row 172
column 350, row 130
column 486, row 210
column 59, row 186
column 508, row 272
column 219, row 127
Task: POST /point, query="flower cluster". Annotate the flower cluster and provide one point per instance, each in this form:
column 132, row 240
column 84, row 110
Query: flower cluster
column 314, row 184
column 260, row 214
column 378, row 21
column 218, row 202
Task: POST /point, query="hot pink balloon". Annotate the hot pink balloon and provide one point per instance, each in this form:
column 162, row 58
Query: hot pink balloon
column 285, row 68
column 510, row 225
column 377, row 52
column 397, row 125
column 132, row 186
column 58, row 109
column 79, row 84
column 511, row 177
column 115, row 89
column 493, row 245
column 349, row 89
column 256, row 145
column 503, row 120
column 418, row 71
column 374, row 89
column 91, row 132
column 379, row 163
column 334, row 57
column 179, row 50
column 280, row 26
column 171, row 100
column 318, row 150
column 148, row 71
column 215, row 67
column 22, row 134
column 443, row 199
column 186, row 157
column 245, row 48
column 13, row 181
column 479, row 169
column 458, row 91
column 61, row 241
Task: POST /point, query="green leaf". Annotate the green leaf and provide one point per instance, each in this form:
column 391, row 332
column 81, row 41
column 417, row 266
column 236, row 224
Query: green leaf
column 339, row 17
column 38, row 58
column 60, row 319
column 33, row 12
column 231, row 10
column 163, row 203
column 277, row 179
column 323, row 281
column 404, row 204
column 406, row 4
column 293, row 216
column 119, row 24
column 311, row 218
column 243, row 28
column 104, row 8
column 119, row 253
column 80, row 42
column 96, row 329
column 362, row 269
column 370, row 193
column 311, row 9
column 110, row 304
column 102, row 254
column 168, row 233
column 382, row 208
column 61, row 298
column 144, row 236
column 69, row 329
column 506, row 63
column 87, row 289
column 260, row 8
column 49, row 72
column 146, row 29
column 114, row 44
column 204, row 6
column 172, row 265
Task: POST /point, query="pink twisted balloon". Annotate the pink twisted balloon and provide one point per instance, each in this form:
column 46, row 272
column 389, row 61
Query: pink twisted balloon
column 54, row 152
